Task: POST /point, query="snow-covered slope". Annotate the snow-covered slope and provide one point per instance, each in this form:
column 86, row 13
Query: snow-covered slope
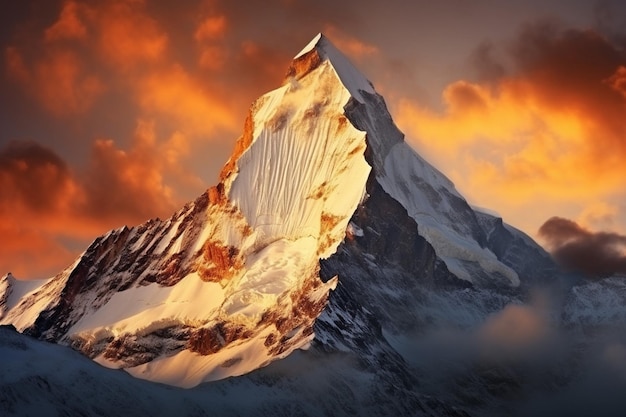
column 304, row 161
column 12, row 290
column 231, row 282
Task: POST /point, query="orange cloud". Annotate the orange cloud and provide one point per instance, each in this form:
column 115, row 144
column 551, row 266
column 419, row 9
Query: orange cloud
column 57, row 80
column 127, row 34
column 64, row 87
column 599, row 215
column 69, row 25
column 38, row 198
column 618, row 80
column 211, row 28
column 174, row 94
column 116, row 186
column 209, row 37
column 122, row 186
column 16, row 67
column 30, row 253
column 515, row 330
column 43, row 202
column 119, row 32
column 551, row 131
column 212, row 57
column 33, row 179
column 465, row 97
column 116, row 38
column 258, row 66
column 125, row 186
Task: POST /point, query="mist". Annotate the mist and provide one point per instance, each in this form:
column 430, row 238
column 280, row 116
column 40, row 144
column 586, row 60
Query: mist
column 548, row 353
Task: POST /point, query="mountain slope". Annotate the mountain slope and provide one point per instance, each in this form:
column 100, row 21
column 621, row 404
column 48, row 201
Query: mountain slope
column 43, row 379
column 231, row 282
column 446, row 373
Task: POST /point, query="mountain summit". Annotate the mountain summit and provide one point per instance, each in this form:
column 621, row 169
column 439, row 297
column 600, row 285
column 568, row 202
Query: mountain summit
column 321, row 193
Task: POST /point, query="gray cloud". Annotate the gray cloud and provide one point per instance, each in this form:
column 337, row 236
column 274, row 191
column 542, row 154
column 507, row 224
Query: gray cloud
column 595, row 254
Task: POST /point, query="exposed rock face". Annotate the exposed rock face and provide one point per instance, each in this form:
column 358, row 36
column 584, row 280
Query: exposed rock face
column 6, row 287
column 243, row 143
column 219, row 263
column 127, row 257
column 303, row 64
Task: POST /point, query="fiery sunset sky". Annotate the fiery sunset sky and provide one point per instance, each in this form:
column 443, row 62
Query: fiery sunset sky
column 117, row 111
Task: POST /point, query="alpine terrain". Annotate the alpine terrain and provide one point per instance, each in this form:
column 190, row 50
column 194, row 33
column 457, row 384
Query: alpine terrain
column 331, row 271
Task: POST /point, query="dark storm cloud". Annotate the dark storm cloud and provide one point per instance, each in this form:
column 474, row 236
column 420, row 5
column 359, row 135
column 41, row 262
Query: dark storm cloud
column 596, row 254
column 568, row 66
column 572, row 58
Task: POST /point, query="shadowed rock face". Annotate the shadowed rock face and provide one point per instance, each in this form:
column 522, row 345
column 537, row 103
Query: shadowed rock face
column 387, row 267
column 384, row 263
column 516, row 250
column 388, row 236
column 373, row 117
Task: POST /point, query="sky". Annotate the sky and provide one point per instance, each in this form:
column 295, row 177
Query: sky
column 113, row 112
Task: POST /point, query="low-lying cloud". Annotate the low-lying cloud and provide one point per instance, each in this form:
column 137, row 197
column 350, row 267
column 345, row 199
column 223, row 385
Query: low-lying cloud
column 595, row 254
column 561, row 352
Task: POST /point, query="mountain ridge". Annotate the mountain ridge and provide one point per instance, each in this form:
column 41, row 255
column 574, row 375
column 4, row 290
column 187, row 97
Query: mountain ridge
column 233, row 280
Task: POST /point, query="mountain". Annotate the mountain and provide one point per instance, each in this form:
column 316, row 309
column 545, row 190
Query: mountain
column 44, row 379
column 325, row 264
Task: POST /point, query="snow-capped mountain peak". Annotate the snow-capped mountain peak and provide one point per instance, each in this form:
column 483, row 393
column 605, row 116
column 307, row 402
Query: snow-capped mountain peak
column 231, row 282
column 322, row 49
